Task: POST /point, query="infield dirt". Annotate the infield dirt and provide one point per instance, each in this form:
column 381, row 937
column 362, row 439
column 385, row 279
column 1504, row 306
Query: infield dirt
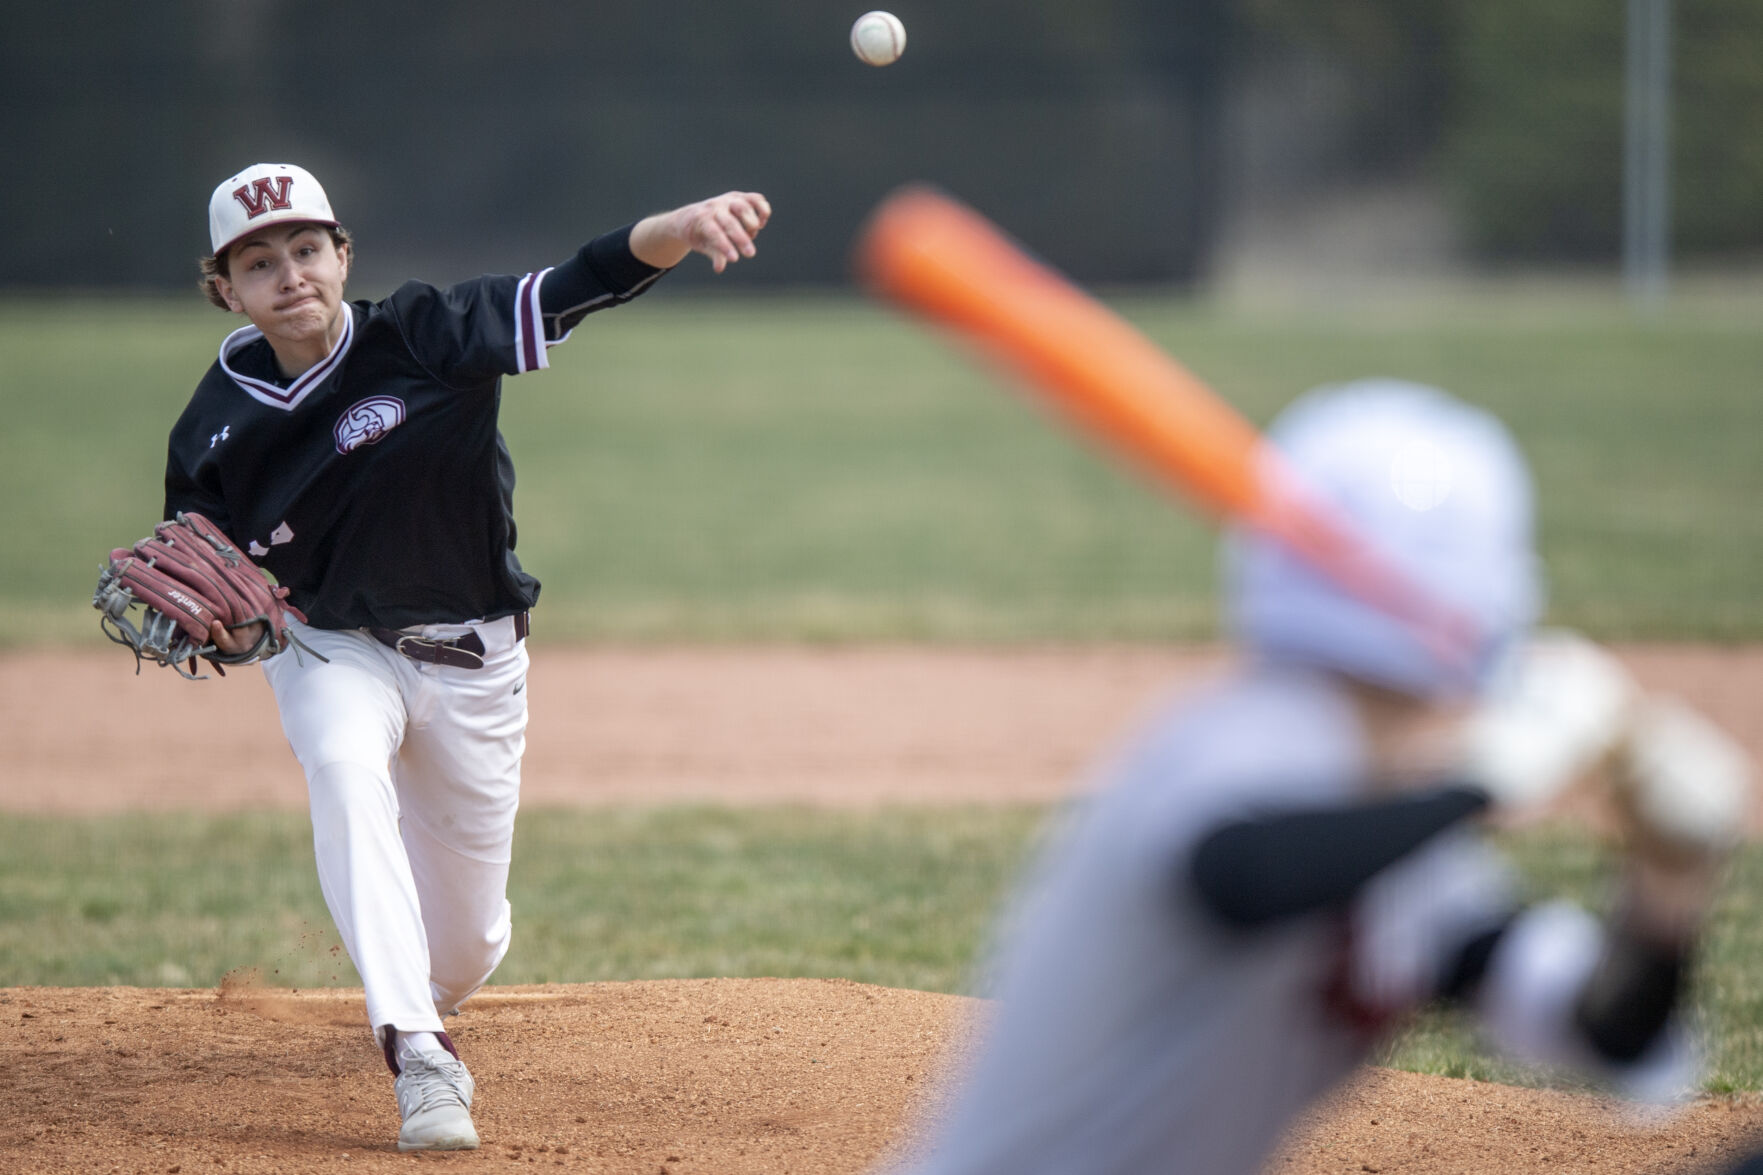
column 726, row 1076
column 661, row 725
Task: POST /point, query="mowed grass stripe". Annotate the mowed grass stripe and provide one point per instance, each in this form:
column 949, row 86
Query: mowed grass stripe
column 759, row 468
column 902, row 897
column 899, row 897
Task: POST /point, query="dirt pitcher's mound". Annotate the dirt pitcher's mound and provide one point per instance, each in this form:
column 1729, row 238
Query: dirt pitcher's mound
column 718, row 1077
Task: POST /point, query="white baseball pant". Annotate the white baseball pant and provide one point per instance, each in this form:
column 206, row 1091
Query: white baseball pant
column 413, row 770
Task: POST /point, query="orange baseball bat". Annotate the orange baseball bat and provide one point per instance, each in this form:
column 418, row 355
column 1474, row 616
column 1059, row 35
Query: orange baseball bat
column 949, row 264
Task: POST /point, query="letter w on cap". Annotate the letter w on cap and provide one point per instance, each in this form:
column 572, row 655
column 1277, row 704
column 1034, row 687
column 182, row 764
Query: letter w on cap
column 262, row 195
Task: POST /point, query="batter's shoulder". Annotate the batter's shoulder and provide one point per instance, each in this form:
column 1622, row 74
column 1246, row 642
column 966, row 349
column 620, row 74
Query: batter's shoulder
column 1258, row 730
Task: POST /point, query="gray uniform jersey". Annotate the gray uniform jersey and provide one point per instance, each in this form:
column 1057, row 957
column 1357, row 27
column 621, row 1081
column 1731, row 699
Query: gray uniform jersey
column 1134, row 1031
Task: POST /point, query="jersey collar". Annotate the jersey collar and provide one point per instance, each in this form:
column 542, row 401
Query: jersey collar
column 287, row 398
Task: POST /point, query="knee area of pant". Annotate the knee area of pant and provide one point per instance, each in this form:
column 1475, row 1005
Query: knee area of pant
column 468, row 965
column 346, row 781
column 345, row 767
column 341, row 788
column 451, row 991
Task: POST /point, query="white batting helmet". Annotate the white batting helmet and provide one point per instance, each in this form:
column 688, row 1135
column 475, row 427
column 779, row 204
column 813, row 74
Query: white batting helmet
column 1441, row 490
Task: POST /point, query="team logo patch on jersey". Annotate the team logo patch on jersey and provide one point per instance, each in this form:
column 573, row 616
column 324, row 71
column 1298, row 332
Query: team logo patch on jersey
column 367, row 422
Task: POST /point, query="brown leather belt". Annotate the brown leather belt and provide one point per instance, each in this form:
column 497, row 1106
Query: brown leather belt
column 466, row 652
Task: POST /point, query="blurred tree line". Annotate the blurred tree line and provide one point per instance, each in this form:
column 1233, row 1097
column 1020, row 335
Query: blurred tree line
column 1516, row 108
column 456, row 136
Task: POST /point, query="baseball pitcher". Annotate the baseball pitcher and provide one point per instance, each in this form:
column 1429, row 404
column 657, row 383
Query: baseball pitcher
column 351, row 450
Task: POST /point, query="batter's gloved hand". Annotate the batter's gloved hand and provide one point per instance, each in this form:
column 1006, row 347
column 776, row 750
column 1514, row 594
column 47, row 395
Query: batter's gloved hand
column 1556, row 708
column 1683, row 786
column 186, row 576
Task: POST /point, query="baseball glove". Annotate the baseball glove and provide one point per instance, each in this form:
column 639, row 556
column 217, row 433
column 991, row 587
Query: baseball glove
column 186, row 575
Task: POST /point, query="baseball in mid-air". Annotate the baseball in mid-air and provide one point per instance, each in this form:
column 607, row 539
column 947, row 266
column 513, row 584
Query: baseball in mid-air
column 878, row 38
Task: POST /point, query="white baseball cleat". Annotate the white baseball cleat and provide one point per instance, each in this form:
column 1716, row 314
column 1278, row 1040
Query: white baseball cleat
column 434, row 1096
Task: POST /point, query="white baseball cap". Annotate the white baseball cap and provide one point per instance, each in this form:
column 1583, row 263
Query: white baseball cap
column 265, row 194
column 1440, row 488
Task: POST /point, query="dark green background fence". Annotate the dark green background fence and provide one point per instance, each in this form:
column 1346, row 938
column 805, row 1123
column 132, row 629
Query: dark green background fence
column 457, row 136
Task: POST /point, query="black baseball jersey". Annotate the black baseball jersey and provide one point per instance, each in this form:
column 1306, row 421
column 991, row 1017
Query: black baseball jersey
column 376, row 486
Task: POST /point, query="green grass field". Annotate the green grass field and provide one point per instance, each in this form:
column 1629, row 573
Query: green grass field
column 900, row 897
column 762, row 468
column 772, row 468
